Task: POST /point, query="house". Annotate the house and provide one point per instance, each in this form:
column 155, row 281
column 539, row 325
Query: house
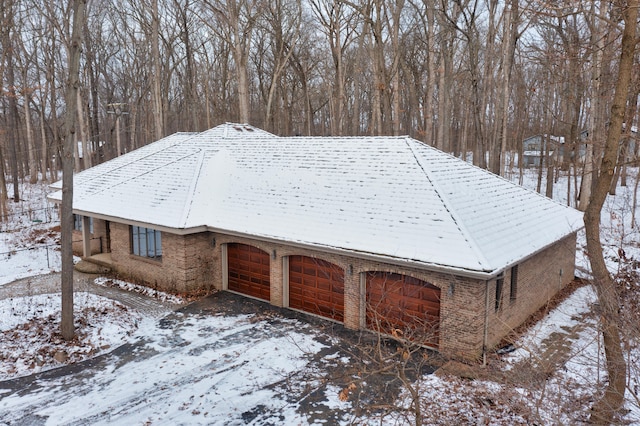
column 534, row 147
column 382, row 233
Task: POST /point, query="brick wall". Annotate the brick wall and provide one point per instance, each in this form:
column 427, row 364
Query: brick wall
column 462, row 307
column 98, row 239
column 538, row 279
column 195, row 262
column 185, row 267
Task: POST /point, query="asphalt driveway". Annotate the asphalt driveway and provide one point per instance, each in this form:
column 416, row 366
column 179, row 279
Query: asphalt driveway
column 224, row 359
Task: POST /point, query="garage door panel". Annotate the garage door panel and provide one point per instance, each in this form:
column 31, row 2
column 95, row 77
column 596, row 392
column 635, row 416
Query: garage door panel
column 316, row 286
column 431, row 307
column 259, row 271
column 400, row 302
column 324, row 297
column 324, row 285
column 413, row 306
column 309, row 282
column 248, row 270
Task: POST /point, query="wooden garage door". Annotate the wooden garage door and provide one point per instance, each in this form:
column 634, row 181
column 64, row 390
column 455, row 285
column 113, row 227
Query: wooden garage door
column 402, row 305
column 316, row 286
column 248, row 270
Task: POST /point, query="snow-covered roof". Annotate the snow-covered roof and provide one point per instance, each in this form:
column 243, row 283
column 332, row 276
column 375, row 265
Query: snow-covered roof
column 390, row 197
column 535, row 153
column 537, row 138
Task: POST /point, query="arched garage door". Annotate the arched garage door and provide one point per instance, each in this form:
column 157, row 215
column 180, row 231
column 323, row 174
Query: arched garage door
column 316, row 286
column 248, row 270
column 398, row 304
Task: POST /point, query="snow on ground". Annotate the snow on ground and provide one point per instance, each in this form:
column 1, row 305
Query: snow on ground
column 242, row 369
column 28, row 246
column 140, row 289
column 550, row 378
column 194, row 369
column 566, row 316
column 30, row 341
column 619, row 229
column 22, row 263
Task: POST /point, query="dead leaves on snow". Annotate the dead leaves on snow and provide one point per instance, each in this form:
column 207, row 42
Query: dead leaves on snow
column 37, row 343
column 344, row 393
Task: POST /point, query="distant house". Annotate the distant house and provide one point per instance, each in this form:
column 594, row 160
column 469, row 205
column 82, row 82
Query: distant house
column 380, row 233
column 534, row 147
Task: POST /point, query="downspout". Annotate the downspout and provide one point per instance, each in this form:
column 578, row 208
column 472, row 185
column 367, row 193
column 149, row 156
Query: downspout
column 486, row 324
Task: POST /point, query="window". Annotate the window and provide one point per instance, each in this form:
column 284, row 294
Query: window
column 146, row 242
column 77, row 223
column 499, row 285
column 514, row 283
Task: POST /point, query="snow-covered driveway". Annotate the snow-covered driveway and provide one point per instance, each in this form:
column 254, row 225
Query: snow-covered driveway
column 190, row 368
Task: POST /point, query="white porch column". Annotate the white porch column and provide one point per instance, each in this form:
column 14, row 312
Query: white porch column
column 86, row 236
column 225, row 267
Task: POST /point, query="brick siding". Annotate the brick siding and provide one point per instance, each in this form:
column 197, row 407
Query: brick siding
column 98, row 239
column 539, row 279
column 185, row 267
column 194, row 263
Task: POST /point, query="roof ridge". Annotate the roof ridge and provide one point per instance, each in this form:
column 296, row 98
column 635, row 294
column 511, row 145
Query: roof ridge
column 482, row 260
column 192, row 188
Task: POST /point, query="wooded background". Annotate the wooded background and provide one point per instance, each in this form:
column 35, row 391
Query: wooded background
column 466, row 76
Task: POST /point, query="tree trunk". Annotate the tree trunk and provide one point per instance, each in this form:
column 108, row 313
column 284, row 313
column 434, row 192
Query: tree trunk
column 4, row 212
column 94, row 87
column 84, row 134
column 605, row 408
column 33, row 162
column 396, row 14
column 635, row 200
column 66, row 216
column 54, row 148
column 597, row 40
column 550, row 160
column 7, row 47
column 44, row 154
column 429, row 136
column 511, row 20
column 158, row 117
column 243, row 83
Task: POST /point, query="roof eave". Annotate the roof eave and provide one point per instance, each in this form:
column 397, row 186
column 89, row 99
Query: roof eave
column 377, row 257
column 457, row 271
column 125, row 221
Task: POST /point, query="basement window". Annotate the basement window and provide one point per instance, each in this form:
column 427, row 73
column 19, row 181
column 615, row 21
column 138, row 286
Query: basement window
column 146, row 242
column 514, row 284
column 499, row 286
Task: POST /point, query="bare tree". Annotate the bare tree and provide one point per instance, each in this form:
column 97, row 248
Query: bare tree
column 66, row 216
column 605, row 408
column 234, row 22
column 282, row 19
column 7, row 10
column 158, row 110
column 336, row 19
